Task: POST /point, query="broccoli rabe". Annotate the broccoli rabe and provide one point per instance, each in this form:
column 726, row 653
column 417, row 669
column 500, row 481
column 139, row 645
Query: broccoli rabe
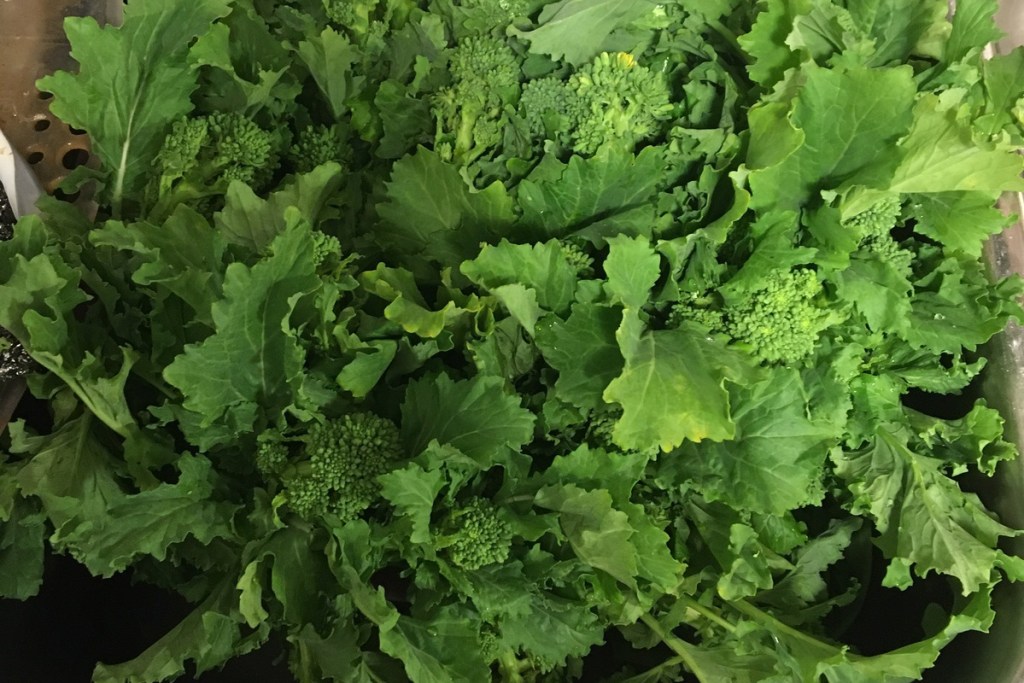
column 698, row 308
column 613, row 98
column 600, row 428
column 326, row 249
column 315, row 146
column 778, row 321
column 617, row 99
column 475, row 535
column 579, row 259
column 357, row 16
column 201, row 155
column 368, row 21
column 337, row 467
column 470, row 113
column 547, row 106
column 875, row 227
column 271, row 457
column 781, row 320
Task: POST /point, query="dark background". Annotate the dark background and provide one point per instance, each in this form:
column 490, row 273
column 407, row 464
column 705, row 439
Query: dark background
column 78, row 620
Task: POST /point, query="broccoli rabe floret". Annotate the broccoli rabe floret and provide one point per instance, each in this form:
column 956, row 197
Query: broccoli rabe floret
column 354, row 15
column 315, row 146
column 240, row 148
column 339, row 464
column 201, row 155
column 326, row 249
column 781, row 320
column 580, row 260
column 617, row 99
column 470, row 113
column 698, row 308
column 475, row 535
column 548, row 107
column 875, row 227
column 601, row 426
column 271, row 457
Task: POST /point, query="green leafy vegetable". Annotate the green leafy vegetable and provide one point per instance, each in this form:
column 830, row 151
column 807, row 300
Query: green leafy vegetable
column 522, row 340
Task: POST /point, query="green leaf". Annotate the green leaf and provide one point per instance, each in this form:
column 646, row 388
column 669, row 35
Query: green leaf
column 476, row 416
column 584, row 351
column 413, row 490
column 878, row 291
column 849, row 119
column 554, row 629
column 438, row 650
column 1004, row 83
column 208, row 636
column 896, row 26
column 253, row 222
column 632, row 269
column 672, row 390
column 361, row 375
column 961, row 221
column 941, row 155
column 593, row 468
column 618, row 473
column 71, row 472
column 957, row 306
column 259, row 58
column 253, row 362
column 432, row 213
column 293, row 570
column 22, row 538
column 330, row 58
column 184, row 256
column 600, row 535
column 574, row 30
column 143, row 61
column 39, row 293
column 766, row 44
column 909, row 663
column 521, row 304
column 774, row 250
column 607, row 194
column 150, row 522
column 405, row 116
column 775, row 462
column 804, row 584
column 927, row 522
column 974, row 27
column 540, row 267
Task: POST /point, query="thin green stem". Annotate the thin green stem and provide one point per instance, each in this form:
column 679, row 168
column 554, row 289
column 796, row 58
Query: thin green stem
column 729, row 37
column 764, row 618
column 667, row 664
column 522, row 498
column 707, row 613
column 677, row 645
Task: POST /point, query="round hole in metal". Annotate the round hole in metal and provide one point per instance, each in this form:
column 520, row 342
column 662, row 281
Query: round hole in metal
column 41, row 125
column 35, row 157
column 75, row 158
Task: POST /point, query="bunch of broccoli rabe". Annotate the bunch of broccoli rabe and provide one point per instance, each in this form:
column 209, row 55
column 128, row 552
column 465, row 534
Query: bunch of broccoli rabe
column 524, row 340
